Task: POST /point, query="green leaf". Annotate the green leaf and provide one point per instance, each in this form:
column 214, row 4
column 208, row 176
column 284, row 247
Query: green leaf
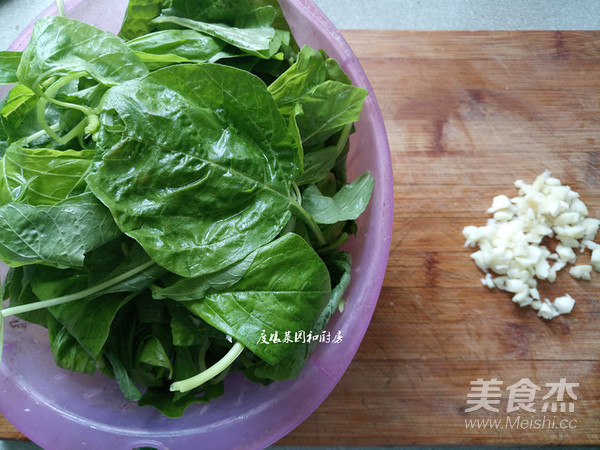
column 327, row 109
column 120, row 349
column 111, row 261
column 317, row 165
column 57, row 235
column 128, row 388
column 17, row 287
column 284, row 289
column 189, row 45
column 67, row 352
column 340, row 267
column 60, row 46
column 3, row 132
column 19, row 102
column 201, row 175
column 186, row 289
column 9, row 61
column 155, row 62
column 89, row 321
column 347, row 204
column 149, row 311
column 18, row 116
column 19, row 122
column 173, row 404
column 329, row 101
column 304, row 75
column 138, row 18
column 117, row 257
column 231, row 13
column 334, row 71
column 154, row 354
column 188, row 329
column 263, row 42
column 42, row 176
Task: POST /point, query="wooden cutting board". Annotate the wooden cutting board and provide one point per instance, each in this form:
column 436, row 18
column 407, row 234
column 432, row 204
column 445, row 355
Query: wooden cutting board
column 467, row 114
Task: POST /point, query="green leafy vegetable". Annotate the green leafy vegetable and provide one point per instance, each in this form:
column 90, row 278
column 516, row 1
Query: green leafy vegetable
column 220, row 190
column 340, row 266
column 172, row 200
column 68, row 353
column 60, row 46
column 77, row 225
column 285, row 288
column 347, row 204
column 9, row 62
column 19, row 101
column 138, row 18
column 42, row 176
column 168, row 47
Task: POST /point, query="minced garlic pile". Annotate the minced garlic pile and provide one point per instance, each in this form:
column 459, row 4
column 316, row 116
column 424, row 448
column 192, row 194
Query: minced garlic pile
column 510, row 245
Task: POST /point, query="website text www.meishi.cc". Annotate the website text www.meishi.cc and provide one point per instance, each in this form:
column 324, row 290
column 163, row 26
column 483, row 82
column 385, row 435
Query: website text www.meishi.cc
column 522, row 423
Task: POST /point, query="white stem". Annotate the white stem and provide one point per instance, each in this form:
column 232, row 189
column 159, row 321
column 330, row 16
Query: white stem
column 76, row 296
column 214, row 370
column 61, row 8
column 35, row 136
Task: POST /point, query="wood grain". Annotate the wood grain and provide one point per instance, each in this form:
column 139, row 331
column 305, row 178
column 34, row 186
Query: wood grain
column 467, row 114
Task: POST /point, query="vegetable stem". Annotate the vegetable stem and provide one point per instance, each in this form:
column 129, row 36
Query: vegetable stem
column 49, row 93
column 41, row 117
column 61, row 8
column 341, row 143
column 47, row 96
column 309, row 221
column 208, row 374
column 77, row 295
column 35, row 136
column 335, row 244
column 78, row 130
column 297, row 193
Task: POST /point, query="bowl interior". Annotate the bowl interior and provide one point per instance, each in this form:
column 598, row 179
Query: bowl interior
column 60, row 409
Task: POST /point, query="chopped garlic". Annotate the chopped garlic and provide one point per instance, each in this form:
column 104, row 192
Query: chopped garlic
column 536, row 304
column 547, row 310
column 583, row 271
column 564, row 305
column 500, row 202
column 510, row 244
column 589, row 244
column 595, row 260
column 488, row 281
column 565, row 253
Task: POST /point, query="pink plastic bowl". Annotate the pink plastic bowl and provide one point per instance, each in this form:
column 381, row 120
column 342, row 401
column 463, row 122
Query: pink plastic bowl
column 60, row 410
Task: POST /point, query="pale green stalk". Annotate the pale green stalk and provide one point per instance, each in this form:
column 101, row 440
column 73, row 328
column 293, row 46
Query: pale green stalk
column 35, row 136
column 76, row 296
column 61, row 8
column 214, row 370
column 341, row 143
column 47, row 96
column 309, row 221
